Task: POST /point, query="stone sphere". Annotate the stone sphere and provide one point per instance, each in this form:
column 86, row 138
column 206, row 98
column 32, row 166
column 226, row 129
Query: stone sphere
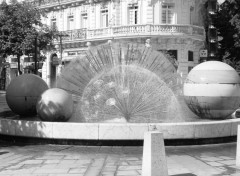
column 211, row 90
column 55, row 105
column 23, row 92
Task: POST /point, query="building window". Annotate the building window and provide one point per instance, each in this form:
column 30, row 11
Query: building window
column 14, row 59
column 70, row 22
column 84, row 19
column 173, row 53
column 133, row 14
column 71, row 53
column 191, row 15
column 54, row 23
column 190, row 56
column 168, row 13
column 104, row 17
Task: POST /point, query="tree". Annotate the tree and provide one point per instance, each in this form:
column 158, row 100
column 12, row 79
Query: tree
column 20, row 25
column 227, row 22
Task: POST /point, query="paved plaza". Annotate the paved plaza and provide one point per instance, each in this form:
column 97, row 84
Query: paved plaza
column 66, row 160
column 70, row 160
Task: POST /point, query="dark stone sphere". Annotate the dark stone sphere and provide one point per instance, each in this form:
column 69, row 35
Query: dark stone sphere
column 23, row 92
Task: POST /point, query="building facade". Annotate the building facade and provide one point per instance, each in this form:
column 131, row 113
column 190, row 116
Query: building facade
column 175, row 26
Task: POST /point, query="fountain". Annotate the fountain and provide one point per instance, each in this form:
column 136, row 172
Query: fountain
column 123, row 82
column 120, row 91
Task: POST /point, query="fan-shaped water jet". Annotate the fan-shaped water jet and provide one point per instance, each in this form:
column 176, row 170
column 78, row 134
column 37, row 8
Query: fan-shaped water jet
column 123, row 81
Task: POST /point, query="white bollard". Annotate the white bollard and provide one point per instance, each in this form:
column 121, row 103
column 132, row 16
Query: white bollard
column 238, row 147
column 154, row 158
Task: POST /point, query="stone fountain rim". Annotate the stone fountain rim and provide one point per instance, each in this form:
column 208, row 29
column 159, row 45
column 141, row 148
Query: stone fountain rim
column 118, row 131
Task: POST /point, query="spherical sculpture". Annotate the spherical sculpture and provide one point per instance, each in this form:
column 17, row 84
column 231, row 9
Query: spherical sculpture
column 23, row 92
column 55, row 105
column 212, row 91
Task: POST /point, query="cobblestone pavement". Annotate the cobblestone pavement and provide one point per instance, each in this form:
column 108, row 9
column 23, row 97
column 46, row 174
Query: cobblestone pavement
column 63, row 160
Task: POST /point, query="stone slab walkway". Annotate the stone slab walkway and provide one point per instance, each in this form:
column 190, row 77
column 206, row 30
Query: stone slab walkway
column 61, row 160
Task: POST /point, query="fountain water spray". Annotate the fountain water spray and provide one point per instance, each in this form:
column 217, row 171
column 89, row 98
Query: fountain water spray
column 123, row 81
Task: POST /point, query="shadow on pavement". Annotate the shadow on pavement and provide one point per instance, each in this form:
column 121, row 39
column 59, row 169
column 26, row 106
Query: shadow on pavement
column 8, row 113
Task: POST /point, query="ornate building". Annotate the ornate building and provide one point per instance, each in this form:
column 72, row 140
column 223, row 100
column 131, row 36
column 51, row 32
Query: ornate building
column 175, row 26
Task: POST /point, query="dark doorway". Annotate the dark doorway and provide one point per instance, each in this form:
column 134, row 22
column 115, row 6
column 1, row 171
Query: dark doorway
column 53, row 70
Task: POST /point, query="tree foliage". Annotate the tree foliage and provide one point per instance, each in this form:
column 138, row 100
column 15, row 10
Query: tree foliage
column 20, row 25
column 227, row 22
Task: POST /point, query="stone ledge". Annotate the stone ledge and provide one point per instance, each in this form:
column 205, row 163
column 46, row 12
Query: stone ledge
column 117, row 131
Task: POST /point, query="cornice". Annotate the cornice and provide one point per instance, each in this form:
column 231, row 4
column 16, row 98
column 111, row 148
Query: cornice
column 52, row 5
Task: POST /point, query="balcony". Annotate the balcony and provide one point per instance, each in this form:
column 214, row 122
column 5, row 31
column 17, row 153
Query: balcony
column 133, row 31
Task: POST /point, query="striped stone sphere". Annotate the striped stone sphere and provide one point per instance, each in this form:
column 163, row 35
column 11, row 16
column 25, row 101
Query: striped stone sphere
column 211, row 90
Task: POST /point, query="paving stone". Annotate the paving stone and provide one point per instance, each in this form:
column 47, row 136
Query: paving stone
column 52, row 161
column 66, row 175
column 78, row 170
column 135, row 162
column 26, row 166
column 123, row 163
column 6, row 155
column 51, row 171
column 226, row 157
column 215, row 164
column 117, row 149
column 132, row 159
column 72, row 157
column 211, row 158
column 68, row 162
column 178, row 171
column 52, row 157
column 127, row 173
column 17, row 166
column 48, row 166
column 18, row 171
column 228, row 162
column 105, row 149
column 95, row 167
column 30, row 174
column 111, row 163
column 32, row 162
column 129, row 167
column 110, row 168
column 108, row 174
column 13, row 158
column 83, row 161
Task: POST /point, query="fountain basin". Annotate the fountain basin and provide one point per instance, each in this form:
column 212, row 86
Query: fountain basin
column 118, row 131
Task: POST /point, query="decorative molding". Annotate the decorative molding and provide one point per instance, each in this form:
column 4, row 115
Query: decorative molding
column 71, row 11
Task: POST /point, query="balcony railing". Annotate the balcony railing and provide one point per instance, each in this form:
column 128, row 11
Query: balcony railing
column 133, row 31
column 57, row 4
column 54, row 2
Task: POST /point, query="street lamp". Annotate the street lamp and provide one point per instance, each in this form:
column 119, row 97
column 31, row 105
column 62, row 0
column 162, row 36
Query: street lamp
column 37, row 54
column 61, row 35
